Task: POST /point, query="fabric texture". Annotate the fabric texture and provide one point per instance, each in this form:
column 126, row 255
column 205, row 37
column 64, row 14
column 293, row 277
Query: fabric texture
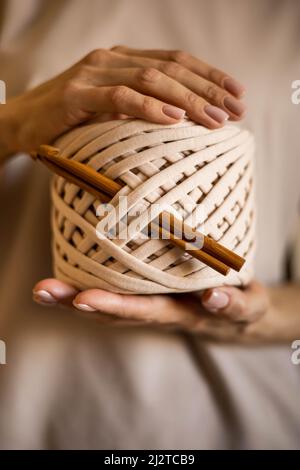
column 203, row 177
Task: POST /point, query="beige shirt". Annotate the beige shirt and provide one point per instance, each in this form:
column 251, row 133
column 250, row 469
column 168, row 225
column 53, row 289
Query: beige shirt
column 69, row 383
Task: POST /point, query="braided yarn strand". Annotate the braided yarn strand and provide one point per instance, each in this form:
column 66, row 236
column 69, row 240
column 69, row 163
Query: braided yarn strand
column 203, row 176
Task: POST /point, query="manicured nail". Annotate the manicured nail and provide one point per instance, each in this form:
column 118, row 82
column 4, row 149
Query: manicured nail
column 173, row 111
column 234, row 106
column 234, row 87
column 43, row 297
column 214, row 300
column 216, row 114
column 84, row 307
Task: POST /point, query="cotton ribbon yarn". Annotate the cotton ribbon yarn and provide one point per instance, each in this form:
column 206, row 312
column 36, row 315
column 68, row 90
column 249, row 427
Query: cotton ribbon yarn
column 203, row 176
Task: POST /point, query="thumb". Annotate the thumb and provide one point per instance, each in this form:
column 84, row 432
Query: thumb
column 237, row 304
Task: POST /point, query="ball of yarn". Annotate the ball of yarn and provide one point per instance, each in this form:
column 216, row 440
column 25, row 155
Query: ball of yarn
column 203, row 176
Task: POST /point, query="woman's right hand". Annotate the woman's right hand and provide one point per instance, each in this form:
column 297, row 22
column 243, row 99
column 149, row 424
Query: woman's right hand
column 156, row 85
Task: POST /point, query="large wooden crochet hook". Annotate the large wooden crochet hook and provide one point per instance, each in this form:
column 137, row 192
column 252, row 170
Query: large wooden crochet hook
column 211, row 252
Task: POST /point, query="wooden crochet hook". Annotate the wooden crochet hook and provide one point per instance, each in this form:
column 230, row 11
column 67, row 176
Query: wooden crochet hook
column 211, row 253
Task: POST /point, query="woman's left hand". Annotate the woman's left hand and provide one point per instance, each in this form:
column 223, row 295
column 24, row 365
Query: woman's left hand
column 221, row 313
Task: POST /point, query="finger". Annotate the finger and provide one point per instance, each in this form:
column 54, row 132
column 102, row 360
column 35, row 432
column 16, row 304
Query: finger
column 126, row 306
column 160, row 309
column 190, row 62
column 109, row 72
column 154, row 83
column 237, row 304
column 51, row 291
column 111, row 59
column 124, row 100
column 212, row 93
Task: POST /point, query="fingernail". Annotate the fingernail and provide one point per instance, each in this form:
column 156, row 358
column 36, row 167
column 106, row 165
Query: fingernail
column 43, row 297
column 84, row 307
column 234, row 87
column 173, row 111
column 216, row 114
column 215, row 300
column 234, row 106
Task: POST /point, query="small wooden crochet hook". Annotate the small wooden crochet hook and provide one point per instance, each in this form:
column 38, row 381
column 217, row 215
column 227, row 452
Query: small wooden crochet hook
column 211, row 253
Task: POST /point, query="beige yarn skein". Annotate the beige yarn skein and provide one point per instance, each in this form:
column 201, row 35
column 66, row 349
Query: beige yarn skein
column 204, row 176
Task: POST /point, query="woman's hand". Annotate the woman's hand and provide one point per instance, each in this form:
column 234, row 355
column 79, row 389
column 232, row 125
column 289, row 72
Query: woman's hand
column 155, row 85
column 224, row 313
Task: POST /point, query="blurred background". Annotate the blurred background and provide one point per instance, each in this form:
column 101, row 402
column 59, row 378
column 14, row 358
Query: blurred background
column 69, row 383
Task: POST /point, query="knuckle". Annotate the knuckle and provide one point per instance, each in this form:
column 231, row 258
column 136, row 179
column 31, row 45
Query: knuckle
column 191, row 98
column 119, row 94
column 148, row 105
column 123, row 308
column 212, row 92
column 81, row 70
column 179, row 56
column 171, row 68
column 97, row 56
column 68, row 89
column 215, row 75
column 149, row 75
column 118, row 48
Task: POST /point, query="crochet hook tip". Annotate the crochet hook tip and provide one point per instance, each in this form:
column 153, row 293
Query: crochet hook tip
column 44, row 151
